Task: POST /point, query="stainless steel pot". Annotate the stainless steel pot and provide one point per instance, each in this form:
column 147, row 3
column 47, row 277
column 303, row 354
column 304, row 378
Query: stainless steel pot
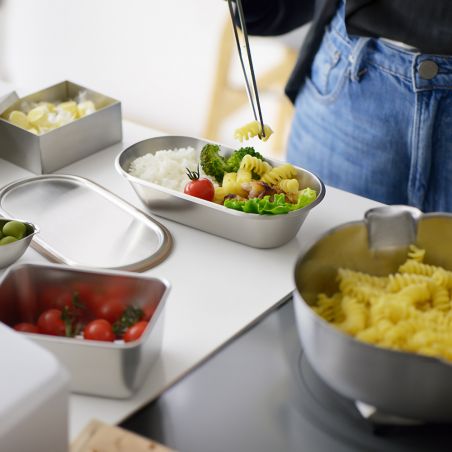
column 403, row 384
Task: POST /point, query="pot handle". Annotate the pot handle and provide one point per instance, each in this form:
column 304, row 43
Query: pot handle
column 392, row 226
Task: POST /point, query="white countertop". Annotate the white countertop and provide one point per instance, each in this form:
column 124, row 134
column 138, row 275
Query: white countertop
column 217, row 286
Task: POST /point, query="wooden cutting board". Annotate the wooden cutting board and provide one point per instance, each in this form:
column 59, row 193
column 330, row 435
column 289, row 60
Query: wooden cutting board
column 100, row 437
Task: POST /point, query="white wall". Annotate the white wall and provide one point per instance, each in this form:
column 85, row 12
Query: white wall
column 157, row 56
column 151, row 54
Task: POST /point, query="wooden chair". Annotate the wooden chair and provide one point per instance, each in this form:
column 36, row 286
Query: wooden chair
column 228, row 99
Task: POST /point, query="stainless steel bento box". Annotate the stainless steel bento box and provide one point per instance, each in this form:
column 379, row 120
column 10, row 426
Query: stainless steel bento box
column 12, row 251
column 407, row 385
column 259, row 231
column 110, row 369
column 66, row 144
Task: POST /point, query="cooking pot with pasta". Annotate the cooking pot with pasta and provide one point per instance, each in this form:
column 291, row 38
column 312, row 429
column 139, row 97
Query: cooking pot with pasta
column 374, row 311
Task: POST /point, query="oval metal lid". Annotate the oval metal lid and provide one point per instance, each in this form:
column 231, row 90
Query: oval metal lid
column 82, row 223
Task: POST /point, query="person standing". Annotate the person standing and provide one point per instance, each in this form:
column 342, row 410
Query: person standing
column 372, row 90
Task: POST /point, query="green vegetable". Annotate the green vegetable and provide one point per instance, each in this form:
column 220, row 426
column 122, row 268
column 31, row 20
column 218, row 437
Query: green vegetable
column 131, row 315
column 215, row 165
column 276, row 207
column 212, row 163
column 233, row 162
column 15, row 229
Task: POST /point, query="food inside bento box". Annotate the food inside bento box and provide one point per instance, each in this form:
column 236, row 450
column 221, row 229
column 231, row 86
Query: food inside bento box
column 243, row 181
column 41, row 117
column 88, row 312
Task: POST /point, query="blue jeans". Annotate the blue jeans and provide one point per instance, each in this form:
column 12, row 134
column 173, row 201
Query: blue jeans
column 376, row 120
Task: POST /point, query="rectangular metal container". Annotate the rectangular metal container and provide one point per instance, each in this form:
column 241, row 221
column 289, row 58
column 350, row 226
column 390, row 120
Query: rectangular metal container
column 259, row 231
column 110, row 369
column 66, row 144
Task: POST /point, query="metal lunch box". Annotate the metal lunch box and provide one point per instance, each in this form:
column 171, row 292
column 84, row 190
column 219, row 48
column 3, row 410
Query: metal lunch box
column 110, row 369
column 12, row 251
column 259, row 231
column 399, row 383
column 66, row 144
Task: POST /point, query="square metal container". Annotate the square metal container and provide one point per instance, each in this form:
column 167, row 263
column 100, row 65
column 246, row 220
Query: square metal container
column 66, row 144
column 110, row 369
column 259, row 231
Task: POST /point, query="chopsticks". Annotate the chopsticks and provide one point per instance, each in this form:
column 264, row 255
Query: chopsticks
column 248, row 70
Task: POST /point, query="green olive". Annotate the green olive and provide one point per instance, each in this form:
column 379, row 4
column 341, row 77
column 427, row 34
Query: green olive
column 15, row 229
column 7, row 239
column 1, row 233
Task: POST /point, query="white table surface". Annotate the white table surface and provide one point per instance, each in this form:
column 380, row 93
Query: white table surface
column 217, row 286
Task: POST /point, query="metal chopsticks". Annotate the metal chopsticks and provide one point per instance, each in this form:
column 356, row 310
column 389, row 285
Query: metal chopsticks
column 248, row 72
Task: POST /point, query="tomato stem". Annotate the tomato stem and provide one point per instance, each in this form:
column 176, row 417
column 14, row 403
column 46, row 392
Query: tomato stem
column 193, row 175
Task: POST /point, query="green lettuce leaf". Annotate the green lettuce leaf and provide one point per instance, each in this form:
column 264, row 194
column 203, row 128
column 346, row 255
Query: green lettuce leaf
column 276, row 207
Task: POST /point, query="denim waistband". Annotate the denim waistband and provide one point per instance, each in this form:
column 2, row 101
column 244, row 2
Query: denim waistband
column 392, row 59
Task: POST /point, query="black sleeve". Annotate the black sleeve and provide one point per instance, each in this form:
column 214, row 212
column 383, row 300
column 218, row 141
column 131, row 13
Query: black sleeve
column 276, row 17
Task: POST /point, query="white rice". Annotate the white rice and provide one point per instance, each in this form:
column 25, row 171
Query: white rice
column 166, row 167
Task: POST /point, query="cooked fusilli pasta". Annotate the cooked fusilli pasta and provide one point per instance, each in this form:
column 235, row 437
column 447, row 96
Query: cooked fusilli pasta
column 252, row 129
column 252, row 163
column 273, row 177
column 410, row 310
column 289, row 185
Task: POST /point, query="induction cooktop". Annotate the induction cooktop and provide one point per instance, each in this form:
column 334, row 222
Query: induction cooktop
column 258, row 393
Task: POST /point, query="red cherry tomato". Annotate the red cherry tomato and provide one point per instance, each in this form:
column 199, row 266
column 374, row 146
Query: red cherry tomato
column 85, row 292
column 54, row 297
column 148, row 311
column 99, row 330
column 25, row 327
column 110, row 309
column 50, row 322
column 134, row 332
column 199, row 187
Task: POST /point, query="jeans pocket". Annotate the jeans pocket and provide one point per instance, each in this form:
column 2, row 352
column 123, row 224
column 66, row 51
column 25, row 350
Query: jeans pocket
column 328, row 70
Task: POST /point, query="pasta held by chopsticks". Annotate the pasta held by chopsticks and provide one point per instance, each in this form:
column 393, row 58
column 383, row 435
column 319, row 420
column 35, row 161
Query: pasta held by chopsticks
column 252, row 129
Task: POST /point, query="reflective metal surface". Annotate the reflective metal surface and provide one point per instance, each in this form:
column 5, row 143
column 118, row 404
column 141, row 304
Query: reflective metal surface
column 12, row 251
column 260, row 231
column 66, row 144
column 97, row 368
column 82, row 223
column 403, row 384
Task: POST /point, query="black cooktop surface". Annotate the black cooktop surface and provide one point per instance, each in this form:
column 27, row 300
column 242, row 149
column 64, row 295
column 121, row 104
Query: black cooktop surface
column 259, row 393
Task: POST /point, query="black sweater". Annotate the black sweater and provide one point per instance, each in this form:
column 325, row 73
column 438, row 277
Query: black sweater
column 426, row 25
column 276, row 17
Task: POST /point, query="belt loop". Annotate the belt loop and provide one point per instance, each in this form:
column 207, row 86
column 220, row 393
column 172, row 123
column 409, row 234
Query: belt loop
column 356, row 57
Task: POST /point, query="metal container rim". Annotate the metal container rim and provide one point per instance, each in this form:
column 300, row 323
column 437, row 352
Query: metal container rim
column 33, row 226
column 79, row 269
column 323, row 324
column 210, row 204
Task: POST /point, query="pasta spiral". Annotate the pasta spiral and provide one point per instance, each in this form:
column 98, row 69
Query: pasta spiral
column 289, row 185
column 252, row 129
column 273, row 177
column 410, row 310
column 251, row 163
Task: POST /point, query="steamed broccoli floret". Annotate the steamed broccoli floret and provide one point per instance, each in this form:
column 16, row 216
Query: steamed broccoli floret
column 212, row 163
column 233, row 162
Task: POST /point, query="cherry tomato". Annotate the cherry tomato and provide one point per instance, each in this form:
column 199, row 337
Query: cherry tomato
column 199, row 187
column 148, row 311
column 99, row 330
column 110, row 309
column 25, row 327
column 134, row 332
column 54, row 297
column 50, row 322
column 85, row 292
